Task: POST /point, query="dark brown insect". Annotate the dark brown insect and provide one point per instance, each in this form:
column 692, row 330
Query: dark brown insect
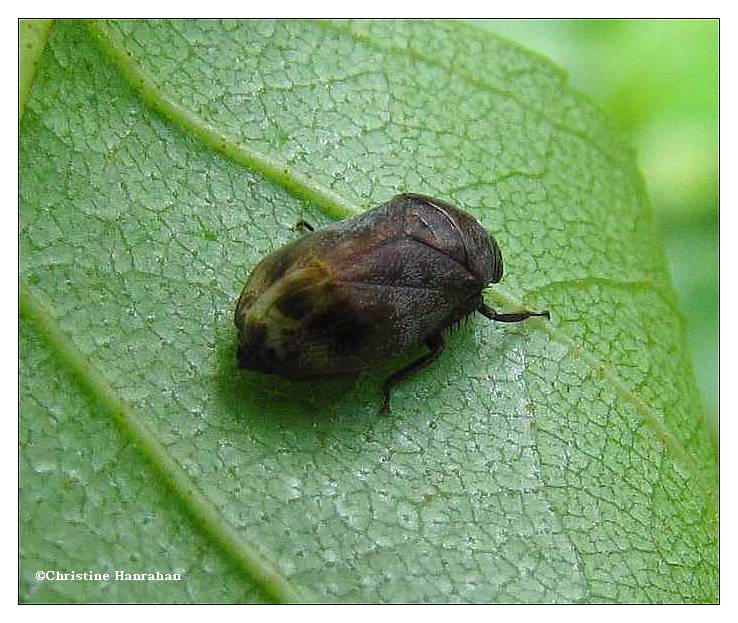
column 340, row 299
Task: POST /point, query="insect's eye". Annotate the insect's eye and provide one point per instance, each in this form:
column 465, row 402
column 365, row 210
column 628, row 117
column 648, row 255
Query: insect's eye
column 497, row 267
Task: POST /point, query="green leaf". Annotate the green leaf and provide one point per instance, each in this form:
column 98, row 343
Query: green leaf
column 32, row 34
column 540, row 462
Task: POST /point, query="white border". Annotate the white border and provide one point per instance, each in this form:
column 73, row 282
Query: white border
column 381, row 8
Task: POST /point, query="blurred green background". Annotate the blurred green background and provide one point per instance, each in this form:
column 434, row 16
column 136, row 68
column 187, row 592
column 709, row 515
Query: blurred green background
column 658, row 80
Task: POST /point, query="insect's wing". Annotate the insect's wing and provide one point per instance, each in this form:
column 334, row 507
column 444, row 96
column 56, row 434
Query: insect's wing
column 412, row 290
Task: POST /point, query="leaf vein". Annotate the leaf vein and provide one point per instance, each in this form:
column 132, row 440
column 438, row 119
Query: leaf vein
column 484, row 85
column 649, row 415
column 233, row 148
column 262, row 571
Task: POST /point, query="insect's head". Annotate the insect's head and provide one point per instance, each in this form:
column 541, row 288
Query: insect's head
column 482, row 253
column 455, row 233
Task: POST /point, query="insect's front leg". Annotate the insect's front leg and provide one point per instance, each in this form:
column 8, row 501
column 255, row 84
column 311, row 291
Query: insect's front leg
column 436, row 346
column 493, row 314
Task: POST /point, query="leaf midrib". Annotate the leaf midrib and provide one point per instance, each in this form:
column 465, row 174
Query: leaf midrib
column 333, row 204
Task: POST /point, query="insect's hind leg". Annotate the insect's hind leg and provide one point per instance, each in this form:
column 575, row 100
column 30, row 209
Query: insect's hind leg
column 436, row 346
column 493, row 314
column 303, row 225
